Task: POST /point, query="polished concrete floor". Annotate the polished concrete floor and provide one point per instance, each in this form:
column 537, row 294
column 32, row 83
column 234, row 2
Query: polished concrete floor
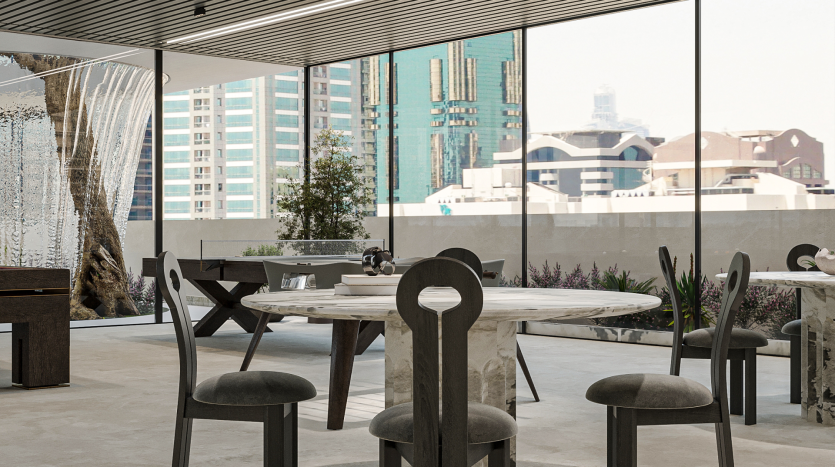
column 119, row 409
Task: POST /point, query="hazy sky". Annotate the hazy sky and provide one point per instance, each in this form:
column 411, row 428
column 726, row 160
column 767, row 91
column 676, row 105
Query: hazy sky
column 766, row 64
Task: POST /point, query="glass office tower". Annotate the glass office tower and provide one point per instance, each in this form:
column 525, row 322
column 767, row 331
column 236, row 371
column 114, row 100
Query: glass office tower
column 462, row 106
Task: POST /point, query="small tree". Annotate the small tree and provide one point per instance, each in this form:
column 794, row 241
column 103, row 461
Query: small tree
column 331, row 206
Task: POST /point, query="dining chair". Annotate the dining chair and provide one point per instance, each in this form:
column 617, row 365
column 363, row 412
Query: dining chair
column 415, row 431
column 471, row 259
column 651, row 399
column 742, row 354
column 793, row 328
column 268, row 397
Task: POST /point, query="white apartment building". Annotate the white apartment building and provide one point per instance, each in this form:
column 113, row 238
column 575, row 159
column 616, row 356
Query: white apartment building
column 229, row 149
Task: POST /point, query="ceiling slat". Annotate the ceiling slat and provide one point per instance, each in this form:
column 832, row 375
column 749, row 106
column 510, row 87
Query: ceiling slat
column 366, row 28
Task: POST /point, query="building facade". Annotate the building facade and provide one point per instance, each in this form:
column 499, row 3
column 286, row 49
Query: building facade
column 456, row 105
column 791, row 154
column 230, row 149
column 142, row 205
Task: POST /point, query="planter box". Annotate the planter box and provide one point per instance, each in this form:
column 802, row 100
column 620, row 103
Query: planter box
column 776, row 348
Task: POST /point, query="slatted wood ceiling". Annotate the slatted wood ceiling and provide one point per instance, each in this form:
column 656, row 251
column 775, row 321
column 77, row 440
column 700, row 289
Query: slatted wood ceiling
column 361, row 29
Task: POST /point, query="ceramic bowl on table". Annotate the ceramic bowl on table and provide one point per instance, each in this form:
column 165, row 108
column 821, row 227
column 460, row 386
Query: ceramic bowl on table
column 825, row 261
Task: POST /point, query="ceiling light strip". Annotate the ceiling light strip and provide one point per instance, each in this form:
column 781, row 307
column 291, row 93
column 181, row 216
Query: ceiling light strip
column 309, row 10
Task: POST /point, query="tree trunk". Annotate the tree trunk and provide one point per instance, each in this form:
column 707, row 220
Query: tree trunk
column 100, row 281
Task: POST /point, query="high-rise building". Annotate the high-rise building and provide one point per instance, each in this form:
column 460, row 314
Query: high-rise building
column 142, row 206
column 605, row 115
column 230, row 149
column 463, row 105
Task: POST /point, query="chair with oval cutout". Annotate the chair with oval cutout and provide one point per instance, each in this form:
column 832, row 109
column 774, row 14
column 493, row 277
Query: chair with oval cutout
column 742, row 355
column 415, row 431
column 652, row 399
column 267, row 397
column 793, row 328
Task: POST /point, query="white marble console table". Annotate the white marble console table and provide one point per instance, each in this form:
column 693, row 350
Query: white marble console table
column 817, row 299
column 491, row 341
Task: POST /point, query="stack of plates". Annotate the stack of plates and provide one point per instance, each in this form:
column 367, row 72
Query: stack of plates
column 361, row 284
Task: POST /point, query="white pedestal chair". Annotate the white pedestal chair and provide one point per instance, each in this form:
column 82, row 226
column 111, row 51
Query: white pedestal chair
column 793, row 328
column 481, row 267
column 267, row 397
column 651, row 399
column 450, row 432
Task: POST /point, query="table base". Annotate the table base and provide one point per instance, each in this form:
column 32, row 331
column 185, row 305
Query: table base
column 817, row 376
column 491, row 363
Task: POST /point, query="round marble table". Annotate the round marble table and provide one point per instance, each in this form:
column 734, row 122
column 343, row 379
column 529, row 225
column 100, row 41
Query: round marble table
column 817, row 305
column 491, row 341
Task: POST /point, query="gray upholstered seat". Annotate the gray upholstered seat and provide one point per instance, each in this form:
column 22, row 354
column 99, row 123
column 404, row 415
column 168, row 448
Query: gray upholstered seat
column 485, row 424
column 647, row 391
column 254, row 388
column 740, row 338
column 792, row 328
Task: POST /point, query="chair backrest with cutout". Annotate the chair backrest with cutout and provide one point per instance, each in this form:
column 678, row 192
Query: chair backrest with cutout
column 799, row 251
column 170, row 280
column 455, row 322
column 733, row 293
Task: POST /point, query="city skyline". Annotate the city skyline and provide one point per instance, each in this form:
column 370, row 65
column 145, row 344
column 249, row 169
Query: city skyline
column 643, row 72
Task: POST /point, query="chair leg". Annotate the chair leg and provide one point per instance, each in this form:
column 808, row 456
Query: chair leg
column 275, row 438
column 622, row 438
column 751, row 386
column 527, row 373
column 610, row 436
column 735, row 396
column 794, row 371
column 182, row 442
column 389, row 457
column 500, row 455
column 291, row 435
column 260, row 327
column 724, row 446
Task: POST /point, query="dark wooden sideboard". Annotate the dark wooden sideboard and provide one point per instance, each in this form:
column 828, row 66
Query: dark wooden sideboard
column 37, row 303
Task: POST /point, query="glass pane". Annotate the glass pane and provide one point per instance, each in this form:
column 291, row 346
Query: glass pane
column 348, row 106
column 457, row 113
column 598, row 204
column 768, row 134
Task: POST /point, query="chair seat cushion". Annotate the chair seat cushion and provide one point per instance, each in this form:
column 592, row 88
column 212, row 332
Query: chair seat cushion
column 254, row 388
column 740, row 338
column 792, row 328
column 645, row 391
column 485, row 424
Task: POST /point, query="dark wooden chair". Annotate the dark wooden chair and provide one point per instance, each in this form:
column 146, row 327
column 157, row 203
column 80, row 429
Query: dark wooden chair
column 471, row 259
column 793, row 328
column 650, row 399
column 267, row 397
column 742, row 354
column 416, row 430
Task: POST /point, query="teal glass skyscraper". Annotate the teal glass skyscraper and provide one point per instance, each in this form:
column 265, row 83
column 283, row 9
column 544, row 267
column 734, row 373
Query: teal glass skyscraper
column 455, row 104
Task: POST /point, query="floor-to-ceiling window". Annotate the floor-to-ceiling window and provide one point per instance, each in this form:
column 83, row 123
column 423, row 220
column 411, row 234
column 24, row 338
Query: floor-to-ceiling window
column 768, row 119
column 606, row 95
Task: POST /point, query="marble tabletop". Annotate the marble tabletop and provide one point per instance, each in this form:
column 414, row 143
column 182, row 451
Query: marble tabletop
column 500, row 304
column 809, row 279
